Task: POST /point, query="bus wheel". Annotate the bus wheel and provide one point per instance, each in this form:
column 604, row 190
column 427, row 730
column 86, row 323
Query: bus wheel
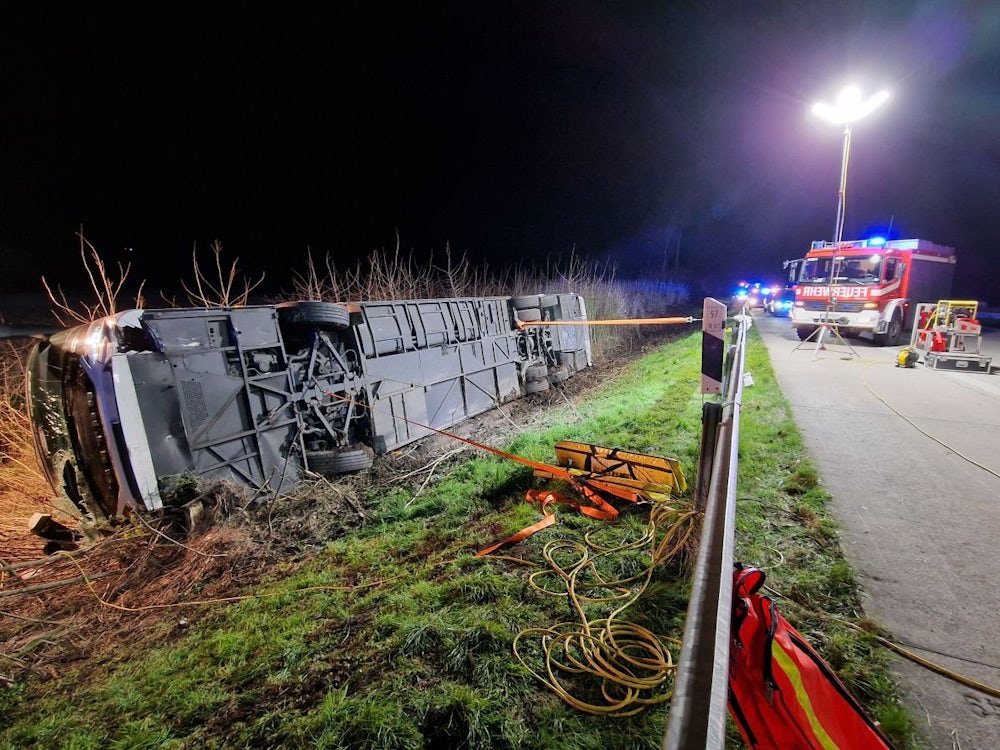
column 328, row 463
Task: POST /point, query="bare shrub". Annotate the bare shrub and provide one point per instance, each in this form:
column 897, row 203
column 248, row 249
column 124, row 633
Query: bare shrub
column 219, row 288
column 317, row 283
column 383, row 275
column 23, row 488
column 15, row 427
column 653, row 298
column 386, row 275
column 107, row 288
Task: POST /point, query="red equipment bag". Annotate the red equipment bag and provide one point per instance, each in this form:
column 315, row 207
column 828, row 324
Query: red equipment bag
column 782, row 695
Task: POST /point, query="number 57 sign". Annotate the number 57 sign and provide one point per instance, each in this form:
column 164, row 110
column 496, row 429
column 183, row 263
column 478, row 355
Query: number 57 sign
column 713, row 345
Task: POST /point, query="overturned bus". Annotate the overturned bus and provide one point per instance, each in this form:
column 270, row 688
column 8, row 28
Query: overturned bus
column 259, row 395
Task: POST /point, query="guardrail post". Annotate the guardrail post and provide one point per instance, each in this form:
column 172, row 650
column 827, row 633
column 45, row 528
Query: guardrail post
column 711, row 418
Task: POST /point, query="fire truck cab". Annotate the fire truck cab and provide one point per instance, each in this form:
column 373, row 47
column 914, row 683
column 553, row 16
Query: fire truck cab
column 869, row 286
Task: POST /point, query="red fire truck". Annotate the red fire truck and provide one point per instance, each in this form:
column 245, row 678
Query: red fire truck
column 869, row 286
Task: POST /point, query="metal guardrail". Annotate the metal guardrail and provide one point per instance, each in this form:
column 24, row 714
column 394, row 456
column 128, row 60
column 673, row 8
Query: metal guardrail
column 697, row 719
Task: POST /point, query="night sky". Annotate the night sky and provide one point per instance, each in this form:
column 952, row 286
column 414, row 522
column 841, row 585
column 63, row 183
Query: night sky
column 650, row 135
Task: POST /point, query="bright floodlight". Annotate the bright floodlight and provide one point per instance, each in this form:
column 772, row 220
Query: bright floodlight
column 850, row 107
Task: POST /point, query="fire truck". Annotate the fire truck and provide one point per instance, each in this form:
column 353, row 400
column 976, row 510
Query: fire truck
column 869, row 286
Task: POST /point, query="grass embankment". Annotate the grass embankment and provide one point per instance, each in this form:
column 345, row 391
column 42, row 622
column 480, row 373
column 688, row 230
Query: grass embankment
column 397, row 636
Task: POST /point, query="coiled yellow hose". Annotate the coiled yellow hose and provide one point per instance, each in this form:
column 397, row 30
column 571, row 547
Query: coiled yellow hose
column 622, row 667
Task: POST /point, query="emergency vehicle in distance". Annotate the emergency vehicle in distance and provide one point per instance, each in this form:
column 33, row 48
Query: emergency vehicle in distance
column 869, row 286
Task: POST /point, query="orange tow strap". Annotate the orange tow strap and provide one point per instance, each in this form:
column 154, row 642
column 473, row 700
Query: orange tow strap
column 603, row 510
column 556, row 471
column 522, row 324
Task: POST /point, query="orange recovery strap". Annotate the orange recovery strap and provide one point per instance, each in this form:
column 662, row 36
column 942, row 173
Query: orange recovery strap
column 601, row 510
column 522, row 324
column 633, row 477
column 614, row 475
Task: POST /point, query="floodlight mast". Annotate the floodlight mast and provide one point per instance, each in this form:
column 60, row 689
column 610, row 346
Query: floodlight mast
column 849, row 108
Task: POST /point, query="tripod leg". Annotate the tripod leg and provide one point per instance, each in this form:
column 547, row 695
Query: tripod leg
column 817, row 331
column 819, row 340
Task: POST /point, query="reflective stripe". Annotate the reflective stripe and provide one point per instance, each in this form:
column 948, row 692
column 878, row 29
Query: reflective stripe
column 791, row 671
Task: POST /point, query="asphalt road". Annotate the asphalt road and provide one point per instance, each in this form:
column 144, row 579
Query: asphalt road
column 911, row 458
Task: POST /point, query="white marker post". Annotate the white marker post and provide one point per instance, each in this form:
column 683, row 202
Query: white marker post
column 713, row 345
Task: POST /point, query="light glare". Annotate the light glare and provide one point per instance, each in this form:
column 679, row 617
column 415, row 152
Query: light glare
column 849, row 107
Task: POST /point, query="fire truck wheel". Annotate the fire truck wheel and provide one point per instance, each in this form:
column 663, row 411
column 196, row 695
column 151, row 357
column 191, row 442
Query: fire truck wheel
column 339, row 462
column 804, row 332
column 892, row 333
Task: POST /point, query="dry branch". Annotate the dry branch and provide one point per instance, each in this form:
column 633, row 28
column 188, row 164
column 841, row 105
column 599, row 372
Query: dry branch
column 105, row 287
column 49, row 585
column 226, row 288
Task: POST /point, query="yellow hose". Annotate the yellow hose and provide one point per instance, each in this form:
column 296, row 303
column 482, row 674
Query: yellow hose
column 630, row 663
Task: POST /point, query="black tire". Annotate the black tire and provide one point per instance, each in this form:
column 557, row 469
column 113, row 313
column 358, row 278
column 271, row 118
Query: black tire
column 328, row 463
column 536, row 386
column 548, row 300
column 529, row 315
column 536, row 372
column 804, row 332
column 558, row 374
column 892, row 332
column 530, row 300
column 314, row 314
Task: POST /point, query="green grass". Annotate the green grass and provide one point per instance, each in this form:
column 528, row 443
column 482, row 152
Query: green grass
column 396, row 636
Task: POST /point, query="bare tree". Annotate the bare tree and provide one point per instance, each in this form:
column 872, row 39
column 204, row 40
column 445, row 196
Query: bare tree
column 106, row 289
column 324, row 283
column 226, row 288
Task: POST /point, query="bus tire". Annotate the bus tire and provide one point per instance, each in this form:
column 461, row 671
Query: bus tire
column 314, row 314
column 536, row 372
column 328, row 463
column 530, row 300
column 558, row 374
column 529, row 315
column 536, row 386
